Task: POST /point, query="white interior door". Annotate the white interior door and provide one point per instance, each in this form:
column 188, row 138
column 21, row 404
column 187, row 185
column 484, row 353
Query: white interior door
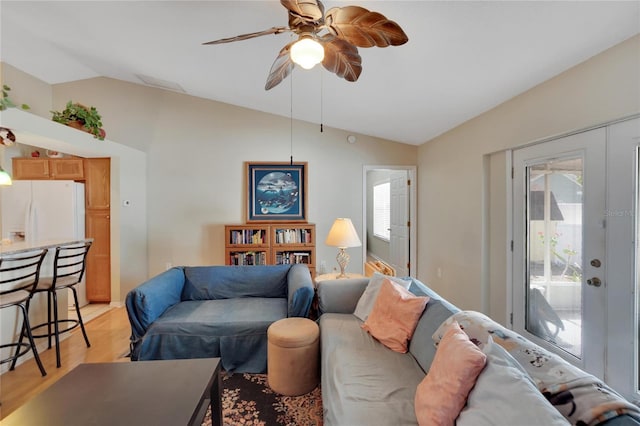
column 399, row 233
column 559, row 247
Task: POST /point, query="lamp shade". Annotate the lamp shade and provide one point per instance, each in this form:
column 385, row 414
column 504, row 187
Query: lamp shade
column 307, row 52
column 5, row 179
column 343, row 234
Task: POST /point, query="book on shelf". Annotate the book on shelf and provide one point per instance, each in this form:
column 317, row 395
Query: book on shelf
column 247, row 236
column 293, row 236
column 287, row 258
column 248, row 258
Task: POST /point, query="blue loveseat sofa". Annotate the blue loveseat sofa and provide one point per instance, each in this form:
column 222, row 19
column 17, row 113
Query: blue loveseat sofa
column 215, row 311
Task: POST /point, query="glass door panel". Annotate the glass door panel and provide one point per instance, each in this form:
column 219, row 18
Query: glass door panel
column 559, row 259
column 554, row 252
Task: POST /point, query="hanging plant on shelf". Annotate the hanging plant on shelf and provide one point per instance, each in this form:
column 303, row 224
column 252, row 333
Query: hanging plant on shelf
column 5, row 102
column 82, row 118
column 7, row 137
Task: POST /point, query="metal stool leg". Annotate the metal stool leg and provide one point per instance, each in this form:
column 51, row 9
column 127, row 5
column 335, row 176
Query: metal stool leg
column 23, row 332
column 27, row 327
column 49, row 318
column 84, row 333
column 56, row 326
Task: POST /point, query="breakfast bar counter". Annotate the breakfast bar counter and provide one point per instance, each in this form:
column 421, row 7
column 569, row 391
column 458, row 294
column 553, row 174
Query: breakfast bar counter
column 23, row 246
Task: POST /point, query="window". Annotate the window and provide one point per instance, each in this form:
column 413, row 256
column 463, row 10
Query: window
column 382, row 210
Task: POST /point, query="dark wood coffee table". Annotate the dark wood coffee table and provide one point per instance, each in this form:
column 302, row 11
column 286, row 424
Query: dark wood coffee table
column 172, row 393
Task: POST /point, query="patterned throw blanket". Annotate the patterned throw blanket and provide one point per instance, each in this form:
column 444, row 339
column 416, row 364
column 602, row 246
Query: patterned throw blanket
column 582, row 398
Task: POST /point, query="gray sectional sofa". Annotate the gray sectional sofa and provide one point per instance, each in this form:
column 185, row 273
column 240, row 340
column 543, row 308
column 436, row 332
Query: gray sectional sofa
column 215, row 311
column 365, row 383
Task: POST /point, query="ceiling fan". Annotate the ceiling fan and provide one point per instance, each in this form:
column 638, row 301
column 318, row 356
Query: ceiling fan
column 331, row 38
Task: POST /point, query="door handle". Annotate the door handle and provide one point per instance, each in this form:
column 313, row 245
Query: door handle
column 595, row 282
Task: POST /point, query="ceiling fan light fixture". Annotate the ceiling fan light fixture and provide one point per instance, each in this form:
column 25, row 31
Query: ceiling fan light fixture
column 307, row 52
column 5, row 178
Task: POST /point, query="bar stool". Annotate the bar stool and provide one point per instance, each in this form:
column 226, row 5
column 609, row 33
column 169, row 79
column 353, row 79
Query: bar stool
column 19, row 276
column 69, row 265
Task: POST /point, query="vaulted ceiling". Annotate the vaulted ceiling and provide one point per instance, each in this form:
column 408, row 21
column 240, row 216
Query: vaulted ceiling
column 462, row 58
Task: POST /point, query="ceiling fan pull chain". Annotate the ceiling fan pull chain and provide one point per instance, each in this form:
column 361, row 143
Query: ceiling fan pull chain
column 291, row 117
column 321, row 100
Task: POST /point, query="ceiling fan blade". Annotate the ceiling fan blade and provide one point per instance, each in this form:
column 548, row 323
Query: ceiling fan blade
column 364, row 28
column 342, row 59
column 272, row 30
column 307, row 10
column 281, row 68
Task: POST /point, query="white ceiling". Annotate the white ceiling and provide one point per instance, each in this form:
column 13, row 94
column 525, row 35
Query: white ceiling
column 462, row 58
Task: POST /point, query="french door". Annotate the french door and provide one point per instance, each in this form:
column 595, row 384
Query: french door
column 559, row 267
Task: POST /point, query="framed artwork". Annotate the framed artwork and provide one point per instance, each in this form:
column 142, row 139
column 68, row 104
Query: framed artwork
column 276, row 192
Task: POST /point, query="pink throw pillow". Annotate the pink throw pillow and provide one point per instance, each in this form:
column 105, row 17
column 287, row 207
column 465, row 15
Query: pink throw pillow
column 394, row 316
column 443, row 392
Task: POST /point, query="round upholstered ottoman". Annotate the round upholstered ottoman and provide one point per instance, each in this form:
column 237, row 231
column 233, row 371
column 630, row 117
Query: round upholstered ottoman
column 292, row 356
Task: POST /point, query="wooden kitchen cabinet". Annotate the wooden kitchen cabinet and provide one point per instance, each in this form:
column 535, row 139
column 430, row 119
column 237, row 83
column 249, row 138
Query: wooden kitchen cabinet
column 98, row 187
column 66, row 168
column 48, row 168
column 98, row 226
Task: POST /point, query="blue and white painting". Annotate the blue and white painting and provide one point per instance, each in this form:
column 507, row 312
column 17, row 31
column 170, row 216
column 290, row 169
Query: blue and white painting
column 276, row 192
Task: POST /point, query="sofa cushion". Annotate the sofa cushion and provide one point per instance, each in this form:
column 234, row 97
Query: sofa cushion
column 234, row 329
column 340, row 296
column 443, row 392
column 363, row 382
column 368, row 298
column 421, row 345
column 394, row 316
column 505, row 394
column 224, row 282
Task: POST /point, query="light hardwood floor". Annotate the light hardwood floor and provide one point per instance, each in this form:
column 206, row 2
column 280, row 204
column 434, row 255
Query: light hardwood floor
column 109, row 336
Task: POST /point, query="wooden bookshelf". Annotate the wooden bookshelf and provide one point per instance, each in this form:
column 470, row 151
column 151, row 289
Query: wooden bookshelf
column 271, row 244
column 247, row 245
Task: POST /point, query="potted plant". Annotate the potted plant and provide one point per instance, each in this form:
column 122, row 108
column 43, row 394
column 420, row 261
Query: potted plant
column 80, row 117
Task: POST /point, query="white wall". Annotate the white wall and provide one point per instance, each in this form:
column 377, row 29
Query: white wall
column 196, row 151
column 452, row 171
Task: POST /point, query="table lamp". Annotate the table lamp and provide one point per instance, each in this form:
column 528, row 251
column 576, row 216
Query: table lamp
column 342, row 235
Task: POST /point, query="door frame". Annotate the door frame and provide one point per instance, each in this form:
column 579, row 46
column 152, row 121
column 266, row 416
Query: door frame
column 590, row 146
column 413, row 229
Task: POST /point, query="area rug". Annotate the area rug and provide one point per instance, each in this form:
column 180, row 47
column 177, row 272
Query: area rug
column 247, row 400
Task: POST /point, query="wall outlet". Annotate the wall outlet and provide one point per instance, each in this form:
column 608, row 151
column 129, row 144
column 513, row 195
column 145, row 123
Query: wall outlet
column 323, row 267
column 167, row 266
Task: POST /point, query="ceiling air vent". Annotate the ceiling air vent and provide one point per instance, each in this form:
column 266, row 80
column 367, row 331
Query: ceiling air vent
column 161, row 84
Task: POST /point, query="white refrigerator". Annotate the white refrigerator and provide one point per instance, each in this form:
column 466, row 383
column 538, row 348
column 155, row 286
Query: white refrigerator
column 43, row 210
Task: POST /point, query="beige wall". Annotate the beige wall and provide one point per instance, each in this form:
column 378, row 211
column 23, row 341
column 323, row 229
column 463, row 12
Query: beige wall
column 453, row 168
column 26, row 89
column 196, row 150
